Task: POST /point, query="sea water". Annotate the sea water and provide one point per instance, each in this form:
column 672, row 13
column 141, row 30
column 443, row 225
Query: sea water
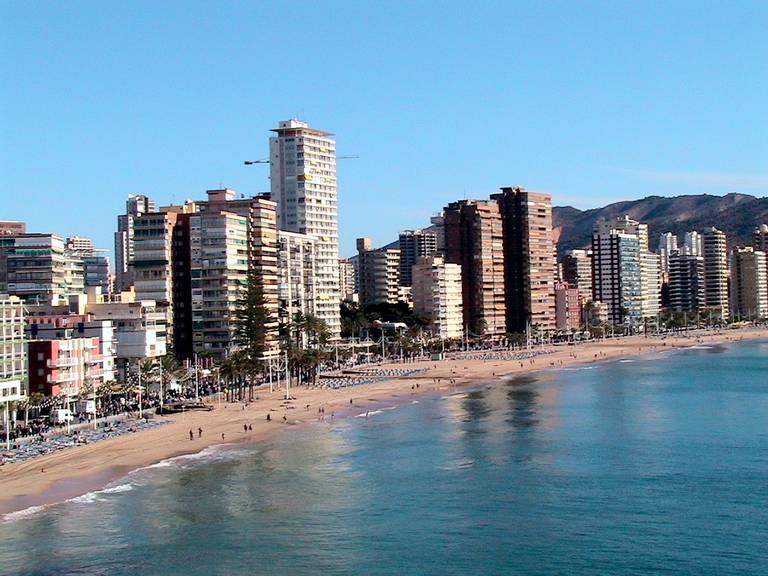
column 654, row 466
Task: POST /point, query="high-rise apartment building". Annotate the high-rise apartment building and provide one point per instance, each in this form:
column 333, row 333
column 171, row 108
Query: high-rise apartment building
column 686, row 283
column 692, row 243
column 37, row 268
column 616, row 272
column 667, row 247
column 13, row 350
column 715, row 253
column 297, row 258
column 749, row 290
column 650, row 284
column 436, row 292
column 568, row 307
column 153, row 256
column 135, row 206
column 529, row 262
column 303, row 179
column 577, row 271
column 414, row 244
column 95, row 262
column 474, row 239
column 379, row 273
column 347, row 279
column 261, row 214
column 761, row 238
column 218, row 278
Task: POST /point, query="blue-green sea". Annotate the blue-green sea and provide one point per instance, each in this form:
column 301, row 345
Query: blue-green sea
column 654, row 465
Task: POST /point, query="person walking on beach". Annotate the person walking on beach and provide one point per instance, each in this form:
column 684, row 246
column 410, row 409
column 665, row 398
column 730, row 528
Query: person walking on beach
column 269, row 418
column 191, row 435
column 245, row 427
column 199, row 432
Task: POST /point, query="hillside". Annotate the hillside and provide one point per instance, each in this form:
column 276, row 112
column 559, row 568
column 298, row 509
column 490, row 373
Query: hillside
column 735, row 214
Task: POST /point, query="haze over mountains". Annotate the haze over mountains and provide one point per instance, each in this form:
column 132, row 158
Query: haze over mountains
column 735, row 214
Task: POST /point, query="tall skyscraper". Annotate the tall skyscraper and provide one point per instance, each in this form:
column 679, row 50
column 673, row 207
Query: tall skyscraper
column 715, row 253
column 749, row 291
column 303, row 179
column 474, row 239
column 650, row 284
column 616, row 273
column 529, row 263
column 135, row 206
column 414, row 244
column 436, row 291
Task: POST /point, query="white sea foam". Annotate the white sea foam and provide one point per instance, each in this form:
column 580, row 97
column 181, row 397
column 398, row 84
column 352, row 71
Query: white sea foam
column 369, row 413
column 626, row 361
column 21, row 514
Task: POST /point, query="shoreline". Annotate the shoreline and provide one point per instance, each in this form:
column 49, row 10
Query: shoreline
column 73, row 472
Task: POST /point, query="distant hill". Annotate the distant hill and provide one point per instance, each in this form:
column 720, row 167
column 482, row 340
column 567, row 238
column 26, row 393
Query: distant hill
column 735, row 214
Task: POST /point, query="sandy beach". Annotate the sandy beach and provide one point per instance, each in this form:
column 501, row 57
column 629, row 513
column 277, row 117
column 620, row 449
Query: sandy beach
column 75, row 471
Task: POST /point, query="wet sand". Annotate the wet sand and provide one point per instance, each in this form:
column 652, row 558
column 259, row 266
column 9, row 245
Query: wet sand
column 74, row 471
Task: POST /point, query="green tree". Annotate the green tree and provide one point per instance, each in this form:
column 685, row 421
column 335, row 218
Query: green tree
column 252, row 319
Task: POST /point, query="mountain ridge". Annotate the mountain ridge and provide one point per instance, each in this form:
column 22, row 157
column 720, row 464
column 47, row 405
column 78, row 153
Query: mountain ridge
column 735, row 214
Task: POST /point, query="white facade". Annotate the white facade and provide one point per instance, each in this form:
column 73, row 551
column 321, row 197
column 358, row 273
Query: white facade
column 297, row 259
column 650, row 284
column 436, row 291
column 140, row 327
column 303, row 178
column 13, row 350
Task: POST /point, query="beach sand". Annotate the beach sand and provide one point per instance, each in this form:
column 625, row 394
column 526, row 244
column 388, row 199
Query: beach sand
column 77, row 470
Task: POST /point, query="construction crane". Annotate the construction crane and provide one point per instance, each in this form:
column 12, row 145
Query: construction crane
column 251, row 162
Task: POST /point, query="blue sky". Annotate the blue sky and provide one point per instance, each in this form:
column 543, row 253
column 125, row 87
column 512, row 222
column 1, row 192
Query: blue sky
column 592, row 101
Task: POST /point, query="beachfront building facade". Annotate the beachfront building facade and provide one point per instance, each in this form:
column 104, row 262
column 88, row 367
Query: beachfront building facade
column 378, row 273
column 650, row 284
column 686, row 283
column 474, row 239
column 749, row 291
column 568, row 308
column 714, row 250
column 218, row 278
column 577, row 271
column 65, row 366
column 13, row 354
column 297, row 259
column 135, row 206
column 260, row 212
column 529, row 261
column 616, row 272
column 413, row 245
column 436, row 293
column 303, row 181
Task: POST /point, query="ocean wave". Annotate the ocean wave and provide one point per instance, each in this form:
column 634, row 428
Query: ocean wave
column 21, row 514
column 87, row 498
